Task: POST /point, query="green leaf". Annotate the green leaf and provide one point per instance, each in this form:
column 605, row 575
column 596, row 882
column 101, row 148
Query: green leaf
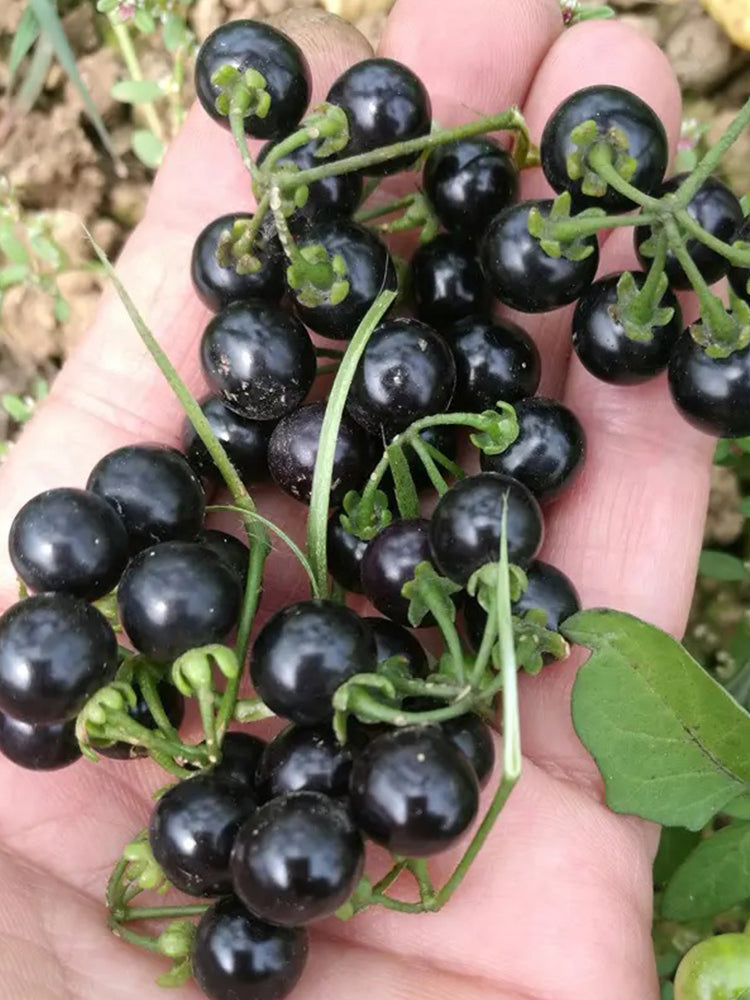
column 174, row 31
column 52, row 28
column 147, row 147
column 722, row 566
column 675, row 844
column 13, row 274
column 61, row 309
column 723, row 451
column 713, row 878
column 739, row 808
column 11, row 245
column 136, row 91
column 47, row 250
column 16, row 408
column 26, row 34
column 143, row 21
column 670, row 742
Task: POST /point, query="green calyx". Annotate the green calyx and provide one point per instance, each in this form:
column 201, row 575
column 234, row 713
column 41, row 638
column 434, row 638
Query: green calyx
column 241, row 93
column 317, row 278
column 236, row 247
column 417, row 214
column 429, row 593
column 365, row 520
column 586, row 138
column 732, row 334
column 558, row 239
column 640, row 315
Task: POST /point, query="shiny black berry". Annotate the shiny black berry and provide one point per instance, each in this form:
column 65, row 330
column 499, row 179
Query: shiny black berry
column 392, row 639
column 385, row 102
column 718, row 211
column 466, row 524
column 293, row 451
column 68, row 540
column 620, row 117
column 240, row 756
column 345, row 552
column 174, row 707
column 712, row 394
column 154, row 491
column 235, row 956
column 390, row 562
column 250, row 45
column 259, row 359
column 739, row 277
column 298, row 858
column 521, row 274
column 176, row 596
column 304, row 653
column 473, row 738
column 406, row 372
column 245, row 442
column 304, row 759
column 217, row 285
column 369, row 271
column 39, row 747
column 469, row 181
column 234, row 553
column 446, row 281
column 329, row 198
column 604, row 348
column 193, row 828
column 549, row 451
column 413, row 792
column 55, row 652
column 495, row 360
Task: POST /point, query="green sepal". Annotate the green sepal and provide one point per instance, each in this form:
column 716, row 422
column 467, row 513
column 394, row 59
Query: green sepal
column 345, row 700
column 241, row 93
column 315, row 293
column 425, row 590
column 739, row 314
column 101, row 710
column 143, row 869
column 545, row 229
column 627, row 308
column 499, row 431
column 236, row 245
column 358, row 899
column 180, row 973
column 365, row 528
column 584, row 138
column 331, row 124
column 193, row 671
column 483, row 584
column 533, row 640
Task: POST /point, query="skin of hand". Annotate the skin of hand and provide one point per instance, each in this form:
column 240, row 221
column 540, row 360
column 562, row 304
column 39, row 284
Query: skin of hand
column 558, row 906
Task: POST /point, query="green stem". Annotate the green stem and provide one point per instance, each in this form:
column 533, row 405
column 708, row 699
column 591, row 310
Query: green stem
column 420, row 871
column 150, row 694
column 407, row 499
column 712, row 308
column 130, row 58
column 251, row 710
column 600, row 158
column 369, row 188
column 367, row 214
column 574, row 228
column 141, row 940
column 643, row 305
column 434, row 474
column 737, row 257
column 378, row 712
column 237, row 127
column 711, row 160
column 390, row 877
column 261, row 210
column 441, row 459
column 206, row 704
column 167, row 764
column 162, row 912
column 317, row 519
column 128, row 730
column 115, row 888
column 452, row 640
column 508, row 120
column 489, row 637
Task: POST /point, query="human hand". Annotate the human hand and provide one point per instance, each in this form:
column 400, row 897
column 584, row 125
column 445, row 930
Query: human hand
column 558, row 905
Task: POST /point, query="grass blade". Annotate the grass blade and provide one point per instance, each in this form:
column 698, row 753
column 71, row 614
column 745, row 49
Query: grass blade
column 33, row 82
column 26, row 34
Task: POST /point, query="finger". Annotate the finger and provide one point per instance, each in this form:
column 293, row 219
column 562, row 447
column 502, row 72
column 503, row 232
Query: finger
column 595, row 52
column 110, row 393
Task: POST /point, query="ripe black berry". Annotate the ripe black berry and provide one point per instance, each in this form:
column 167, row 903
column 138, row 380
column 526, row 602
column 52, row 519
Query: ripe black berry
column 55, row 652
column 369, row 271
column 298, row 858
column 521, row 274
column 234, row 553
column 304, row 759
column 718, row 211
column 447, row 281
column 618, row 114
column 154, row 491
column 739, row 277
column 549, row 451
column 406, row 372
column 193, row 828
column 176, row 596
column 384, row 103
column 39, row 747
column 390, row 562
column 392, row 639
column 218, row 285
column 237, row 957
column 345, row 552
column 472, row 737
column 280, row 61
column 174, row 706
column 240, row 756
column 68, row 540
column 713, row 394
column 413, row 792
column 331, row 197
column 259, row 358
column 304, row 653
column 293, row 451
column 465, row 526
column 245, row 442
column 495, row 360
column 603, row 346
column 469, row 181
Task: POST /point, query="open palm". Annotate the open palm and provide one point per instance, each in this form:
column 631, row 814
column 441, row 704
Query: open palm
column 558, row 905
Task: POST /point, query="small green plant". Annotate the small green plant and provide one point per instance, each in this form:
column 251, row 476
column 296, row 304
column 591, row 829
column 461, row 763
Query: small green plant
column 21, row 408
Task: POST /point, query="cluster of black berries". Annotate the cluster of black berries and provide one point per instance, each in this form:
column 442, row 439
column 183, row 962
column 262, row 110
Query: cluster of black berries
column 277, row 830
